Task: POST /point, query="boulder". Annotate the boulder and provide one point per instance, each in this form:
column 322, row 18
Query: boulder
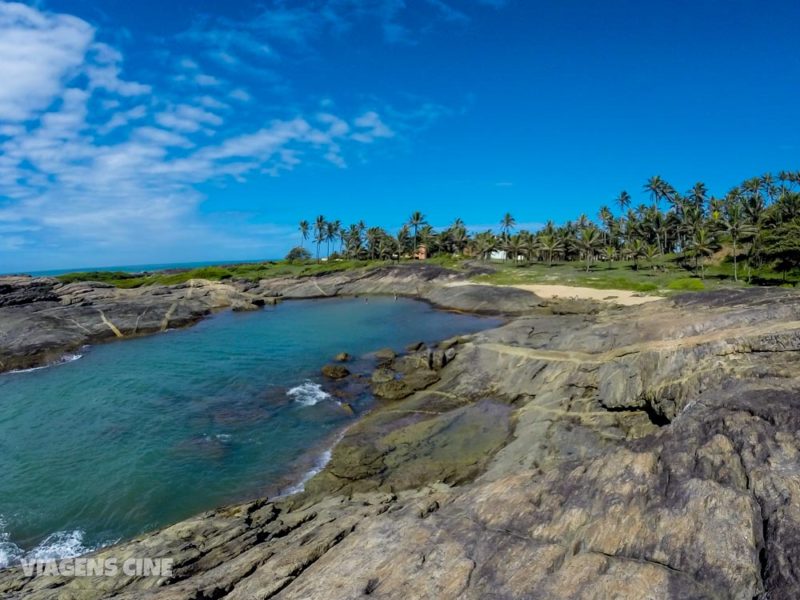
column 382, row 375
column 385, row 356
column 415, row 346
column 335, row 371
column 342, row 357
column 244, row 306
column 394, row 389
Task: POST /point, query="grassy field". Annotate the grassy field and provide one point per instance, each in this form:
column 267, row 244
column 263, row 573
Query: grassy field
column 248, row 271
column 663, row 277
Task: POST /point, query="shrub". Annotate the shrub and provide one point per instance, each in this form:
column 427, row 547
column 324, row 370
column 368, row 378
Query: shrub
column 298, row 254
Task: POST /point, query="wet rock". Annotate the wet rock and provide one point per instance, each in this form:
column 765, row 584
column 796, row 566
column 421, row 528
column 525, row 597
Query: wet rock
column 382, row 375
column 245, row 305
column 335, row 371
column 385, row 356
column 415, row 346
column 342, row 357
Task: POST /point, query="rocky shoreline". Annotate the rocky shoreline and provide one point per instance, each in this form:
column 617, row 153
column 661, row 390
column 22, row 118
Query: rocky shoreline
column 577, row 451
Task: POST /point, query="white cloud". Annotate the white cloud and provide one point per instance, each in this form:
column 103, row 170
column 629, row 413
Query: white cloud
column 206, row 80
column 241, row 95
column 38, row 52
column 90, row 161
column 371, row 128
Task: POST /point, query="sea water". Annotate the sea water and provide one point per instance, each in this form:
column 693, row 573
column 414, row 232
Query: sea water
column 125, row 437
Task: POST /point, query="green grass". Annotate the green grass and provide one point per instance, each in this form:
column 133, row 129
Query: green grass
column 248, row 271
column 687, row 284
column 662, row 277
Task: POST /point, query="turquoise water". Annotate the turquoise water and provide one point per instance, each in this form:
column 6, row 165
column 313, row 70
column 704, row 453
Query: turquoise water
column 142, row 433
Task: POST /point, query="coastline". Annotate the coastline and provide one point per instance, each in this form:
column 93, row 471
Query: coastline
column 493, row 464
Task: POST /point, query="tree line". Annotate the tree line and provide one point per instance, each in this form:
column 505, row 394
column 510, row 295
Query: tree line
column 758, row 222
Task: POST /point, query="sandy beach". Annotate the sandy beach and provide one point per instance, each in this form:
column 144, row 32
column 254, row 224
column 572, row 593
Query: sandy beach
column 550, row 291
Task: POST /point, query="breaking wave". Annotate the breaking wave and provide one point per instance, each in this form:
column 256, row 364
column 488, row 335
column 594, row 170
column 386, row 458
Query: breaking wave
column 308, row 393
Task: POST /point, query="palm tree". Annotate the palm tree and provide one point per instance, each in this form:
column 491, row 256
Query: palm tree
column 588, row 242
column 550, row 244
column 702, row 245
column 651, row 253
column 657, row 188
column 608, row 253
column 635, row 251
column 304, row 228
column 507, row 223
column 737, row 227
column 416, row 221
column 320, row 231
column 331, row 232
column 623, row 201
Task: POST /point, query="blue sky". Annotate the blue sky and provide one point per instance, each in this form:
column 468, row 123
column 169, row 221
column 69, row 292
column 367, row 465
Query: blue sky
column 148, row 131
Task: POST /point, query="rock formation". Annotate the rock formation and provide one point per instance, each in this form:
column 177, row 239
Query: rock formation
column 645, row 452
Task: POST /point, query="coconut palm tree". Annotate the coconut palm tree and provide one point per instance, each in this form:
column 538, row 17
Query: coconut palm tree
column 651, row 253
column 304, row 229
column 609, row 253
column 588, row 242
column 737, row 227
column 416, row 221
column 320, row 231
column 623, row 201
column 635, row 251
column 550, row 244
column 657, row 188
column 702, row 246
column 507, row 223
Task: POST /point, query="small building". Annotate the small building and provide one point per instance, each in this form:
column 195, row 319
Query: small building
column 422, row 252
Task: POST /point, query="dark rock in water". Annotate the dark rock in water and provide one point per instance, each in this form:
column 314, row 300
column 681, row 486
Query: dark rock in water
column 342, row 357
column 245, row 305
column 348, row 408
column 385, row 356
column 335, row 371
column 415, row 346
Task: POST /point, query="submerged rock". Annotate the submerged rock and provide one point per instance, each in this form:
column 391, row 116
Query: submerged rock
column 335, row 371
column 385, row 356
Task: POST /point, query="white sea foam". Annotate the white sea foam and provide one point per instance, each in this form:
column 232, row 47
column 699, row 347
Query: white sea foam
column 58, row 545
column 67, row 358
column 308, row 393
column 319, row 464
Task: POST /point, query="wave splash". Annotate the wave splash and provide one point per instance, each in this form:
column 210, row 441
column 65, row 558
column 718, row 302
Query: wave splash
column 321, row 462
column 67, row 358
column 308, row 393
column 56, row 546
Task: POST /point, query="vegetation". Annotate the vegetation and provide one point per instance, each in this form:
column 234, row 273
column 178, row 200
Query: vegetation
column 675, row 241
column 245, row 271
column 298, row 254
